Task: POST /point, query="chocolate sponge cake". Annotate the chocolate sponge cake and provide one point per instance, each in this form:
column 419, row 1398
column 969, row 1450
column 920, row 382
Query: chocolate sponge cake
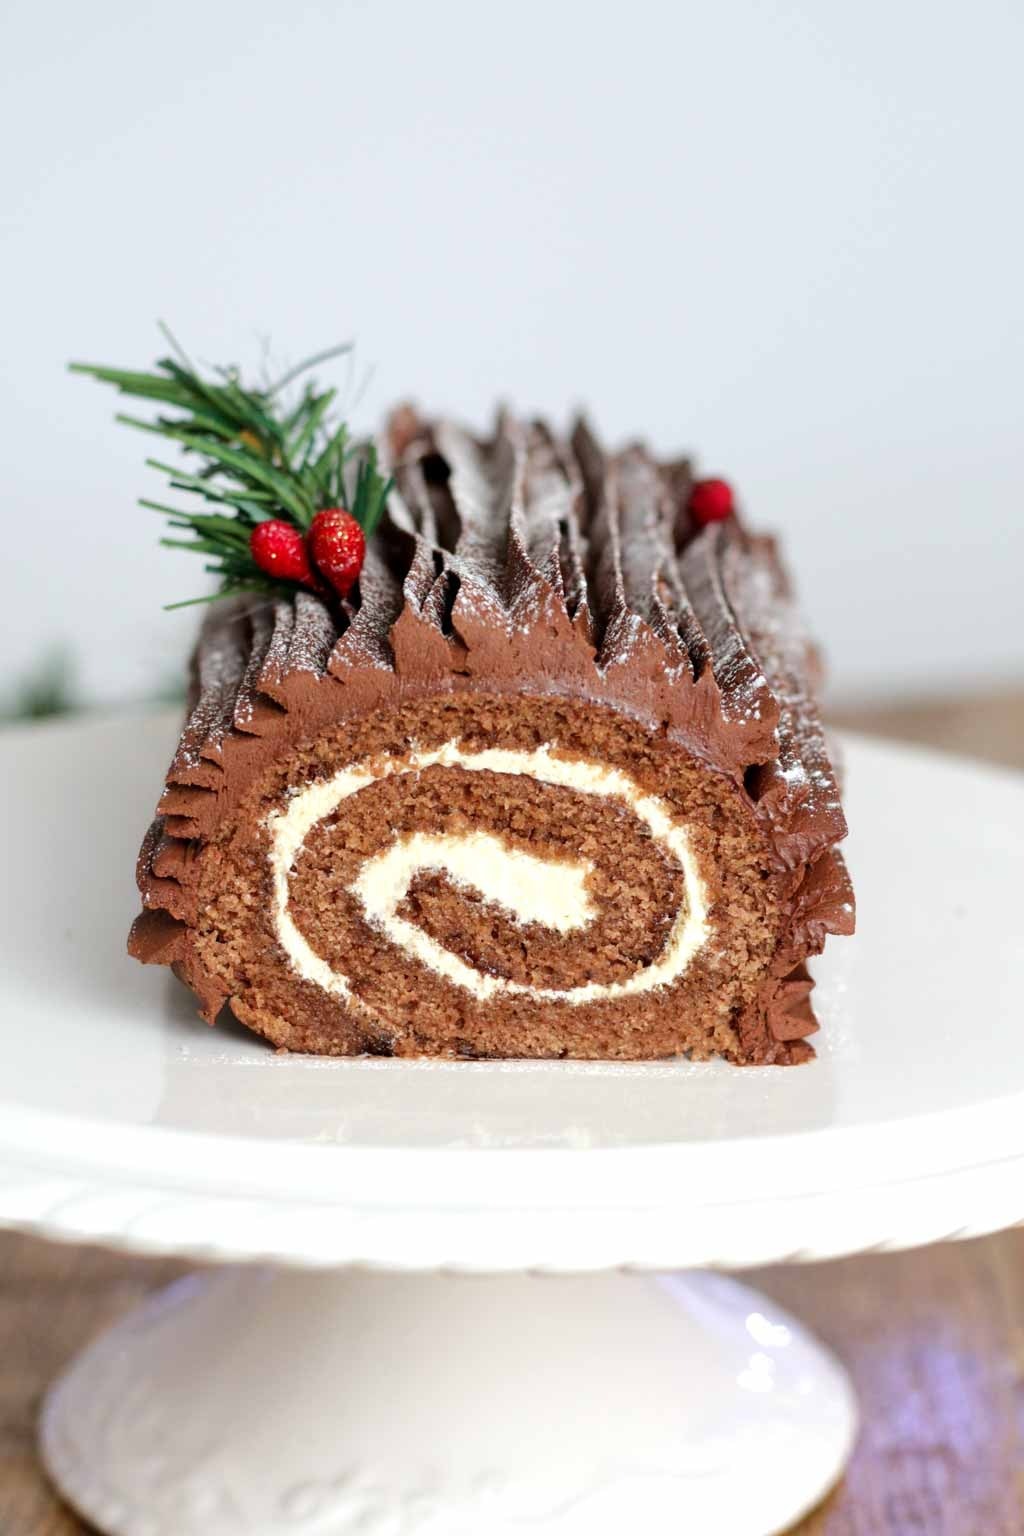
column 550, row 782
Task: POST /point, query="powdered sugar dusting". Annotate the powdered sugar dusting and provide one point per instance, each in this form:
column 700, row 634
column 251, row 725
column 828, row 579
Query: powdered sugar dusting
column 222, row 658
column 313, row 636
column 803, row 775
column 747, row 694
column 521, row 536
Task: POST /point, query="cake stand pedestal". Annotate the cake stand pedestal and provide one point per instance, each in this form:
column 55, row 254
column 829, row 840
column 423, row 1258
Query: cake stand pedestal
column 444, row 1305
column 263, row 1401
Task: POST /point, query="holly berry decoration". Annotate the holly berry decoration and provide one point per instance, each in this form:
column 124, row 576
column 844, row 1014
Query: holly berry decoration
column 279, row 549
column 285, row 500
column 711, row 501
column 338, row 546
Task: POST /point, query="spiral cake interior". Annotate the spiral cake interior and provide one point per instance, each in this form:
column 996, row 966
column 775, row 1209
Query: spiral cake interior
column 484, row 877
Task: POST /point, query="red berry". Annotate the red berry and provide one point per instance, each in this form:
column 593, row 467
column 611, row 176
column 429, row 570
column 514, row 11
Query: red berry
column 279, row 550
column 338, row 546
column 711, row 501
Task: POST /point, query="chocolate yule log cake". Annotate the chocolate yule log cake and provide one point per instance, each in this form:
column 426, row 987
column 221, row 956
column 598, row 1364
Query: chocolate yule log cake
column 528, row 762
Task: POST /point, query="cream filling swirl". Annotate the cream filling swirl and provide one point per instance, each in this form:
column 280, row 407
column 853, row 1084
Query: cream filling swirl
column 533, row 890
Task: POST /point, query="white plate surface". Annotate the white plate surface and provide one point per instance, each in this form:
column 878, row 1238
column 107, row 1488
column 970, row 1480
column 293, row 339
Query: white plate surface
column 125, row 1119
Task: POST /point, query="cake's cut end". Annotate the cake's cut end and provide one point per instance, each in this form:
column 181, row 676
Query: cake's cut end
column 553, row 783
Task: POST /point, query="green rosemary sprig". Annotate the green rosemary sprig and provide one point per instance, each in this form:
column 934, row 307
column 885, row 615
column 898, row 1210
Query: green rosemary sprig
column 254, row 458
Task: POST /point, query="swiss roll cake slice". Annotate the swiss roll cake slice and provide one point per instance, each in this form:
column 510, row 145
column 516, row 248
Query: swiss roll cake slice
column 551, row 782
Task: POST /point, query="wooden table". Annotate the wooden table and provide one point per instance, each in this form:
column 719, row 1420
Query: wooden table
column 934, row 1338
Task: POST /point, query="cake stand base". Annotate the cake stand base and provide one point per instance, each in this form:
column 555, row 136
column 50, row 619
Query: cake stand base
column 360, row 1403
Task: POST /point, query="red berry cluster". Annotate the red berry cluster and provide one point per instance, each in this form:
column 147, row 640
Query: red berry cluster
column 333, row 550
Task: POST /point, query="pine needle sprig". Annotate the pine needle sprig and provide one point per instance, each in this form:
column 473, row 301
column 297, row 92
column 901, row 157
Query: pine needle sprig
column 255, row 458
column 371, row 493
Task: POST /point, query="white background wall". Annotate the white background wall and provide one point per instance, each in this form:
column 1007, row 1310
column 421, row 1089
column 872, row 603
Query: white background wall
column 788, row 235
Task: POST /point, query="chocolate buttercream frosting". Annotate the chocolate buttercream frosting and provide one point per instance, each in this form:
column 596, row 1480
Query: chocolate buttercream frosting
column 524, row 593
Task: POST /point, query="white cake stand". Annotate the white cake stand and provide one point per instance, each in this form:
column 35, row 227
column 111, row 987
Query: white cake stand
column 449, row 1333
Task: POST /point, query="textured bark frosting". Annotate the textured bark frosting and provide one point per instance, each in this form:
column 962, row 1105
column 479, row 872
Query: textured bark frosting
column 526, row 565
